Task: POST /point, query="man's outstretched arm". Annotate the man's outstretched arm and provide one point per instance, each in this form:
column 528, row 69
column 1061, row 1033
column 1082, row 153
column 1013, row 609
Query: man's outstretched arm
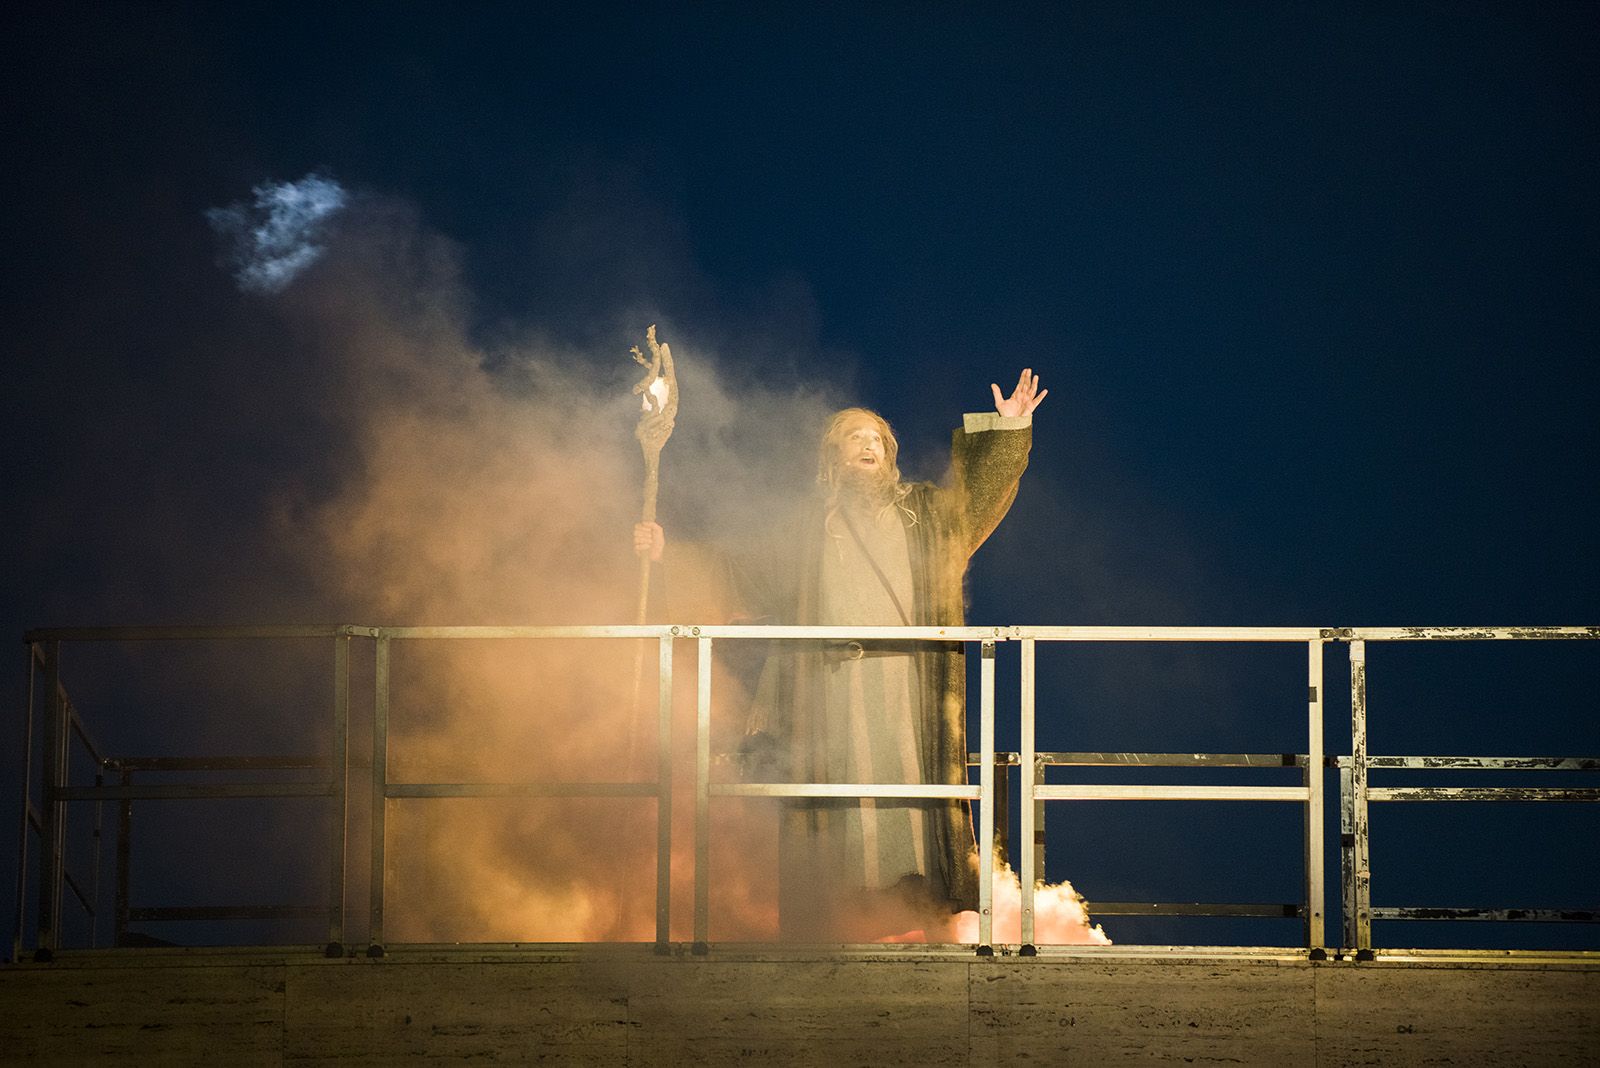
column 989, row 454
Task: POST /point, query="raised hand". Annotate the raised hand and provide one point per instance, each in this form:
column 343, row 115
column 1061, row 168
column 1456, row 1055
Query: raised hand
column 1024, row 399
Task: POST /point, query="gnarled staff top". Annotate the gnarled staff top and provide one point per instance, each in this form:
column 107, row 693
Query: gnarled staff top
column 659, row 388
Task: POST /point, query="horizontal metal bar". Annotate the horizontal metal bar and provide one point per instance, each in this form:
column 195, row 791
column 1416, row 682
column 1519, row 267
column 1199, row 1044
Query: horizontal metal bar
column 226, row 912
column 190, row 791
column 847, row 633
column 1121, row 760
column 1182, row 908
column 1483, row 763
column 844, row 790
column 1099, row 634
column 600, row 631
column 1530, row 915
column 245, row 763
column 521, row 789
column 1169, row 634
column 1435, row 634
column 162, row 634
column 1174, row 760
column 1124, row 792
column 758, row 631
column 1480, row 793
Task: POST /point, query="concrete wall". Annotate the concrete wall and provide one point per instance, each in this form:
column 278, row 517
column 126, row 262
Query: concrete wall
column 627, row 1006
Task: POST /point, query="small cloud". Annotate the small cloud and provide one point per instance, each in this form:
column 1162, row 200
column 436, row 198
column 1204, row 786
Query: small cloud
column 272, row 239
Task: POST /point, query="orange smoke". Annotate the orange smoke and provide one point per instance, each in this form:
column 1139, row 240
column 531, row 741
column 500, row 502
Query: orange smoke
column 465, row 487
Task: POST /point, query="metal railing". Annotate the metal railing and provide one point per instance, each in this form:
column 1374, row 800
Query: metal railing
column 1356, row 794
column 47, row 819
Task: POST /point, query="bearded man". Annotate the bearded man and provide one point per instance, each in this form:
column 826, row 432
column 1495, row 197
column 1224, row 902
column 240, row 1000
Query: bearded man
column 870, row 549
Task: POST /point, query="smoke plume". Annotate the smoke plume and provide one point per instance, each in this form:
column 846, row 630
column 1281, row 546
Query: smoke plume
column 276, row 236
column 460, row 483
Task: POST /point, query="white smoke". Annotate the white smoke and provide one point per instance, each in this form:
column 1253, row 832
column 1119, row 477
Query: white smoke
column 274, row 238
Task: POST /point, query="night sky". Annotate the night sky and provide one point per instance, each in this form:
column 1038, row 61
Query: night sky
column 1315, row 290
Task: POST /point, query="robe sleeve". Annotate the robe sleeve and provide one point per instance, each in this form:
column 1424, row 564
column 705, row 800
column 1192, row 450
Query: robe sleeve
column 987, row 456
column 762, row 575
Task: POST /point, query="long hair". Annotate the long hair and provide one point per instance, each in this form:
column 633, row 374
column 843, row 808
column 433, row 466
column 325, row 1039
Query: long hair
column 830, row 473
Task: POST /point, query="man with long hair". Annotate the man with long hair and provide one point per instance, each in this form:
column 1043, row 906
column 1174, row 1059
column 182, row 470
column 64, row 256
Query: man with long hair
column 870, row 549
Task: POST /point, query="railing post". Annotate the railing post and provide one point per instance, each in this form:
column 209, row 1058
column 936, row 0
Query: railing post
column 1347, row 856
column 986, row 804
column 53, row 813
column 94, row 871
column 380, row 787
column 1360, row 874
column 702, row 801
column 119, row 919
column 1028, row 876
column 1002, row 811
column 340, row 785
column 1314, row 814
column 664, row 799
column 26, row 807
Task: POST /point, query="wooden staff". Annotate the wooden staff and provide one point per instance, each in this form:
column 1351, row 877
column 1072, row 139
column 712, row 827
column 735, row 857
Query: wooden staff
column 659, row 390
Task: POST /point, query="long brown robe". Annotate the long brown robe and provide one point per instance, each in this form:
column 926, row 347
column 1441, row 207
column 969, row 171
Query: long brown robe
column 783, row 581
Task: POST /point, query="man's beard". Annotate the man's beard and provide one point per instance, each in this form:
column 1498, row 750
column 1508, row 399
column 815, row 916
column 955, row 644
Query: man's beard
column 871, row 487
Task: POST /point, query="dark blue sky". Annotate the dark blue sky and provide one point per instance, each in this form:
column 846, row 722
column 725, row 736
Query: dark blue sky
column 1314, row 286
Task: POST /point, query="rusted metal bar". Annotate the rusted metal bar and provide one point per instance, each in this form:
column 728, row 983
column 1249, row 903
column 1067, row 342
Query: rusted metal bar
column 1041, row 873
column 1183, row 908
column 1481, row 793
column 1498, row 915
column 1360, row 870
column 1483, row 763
column 1347, row 856
column 1175, row 760
column 1435, row 634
